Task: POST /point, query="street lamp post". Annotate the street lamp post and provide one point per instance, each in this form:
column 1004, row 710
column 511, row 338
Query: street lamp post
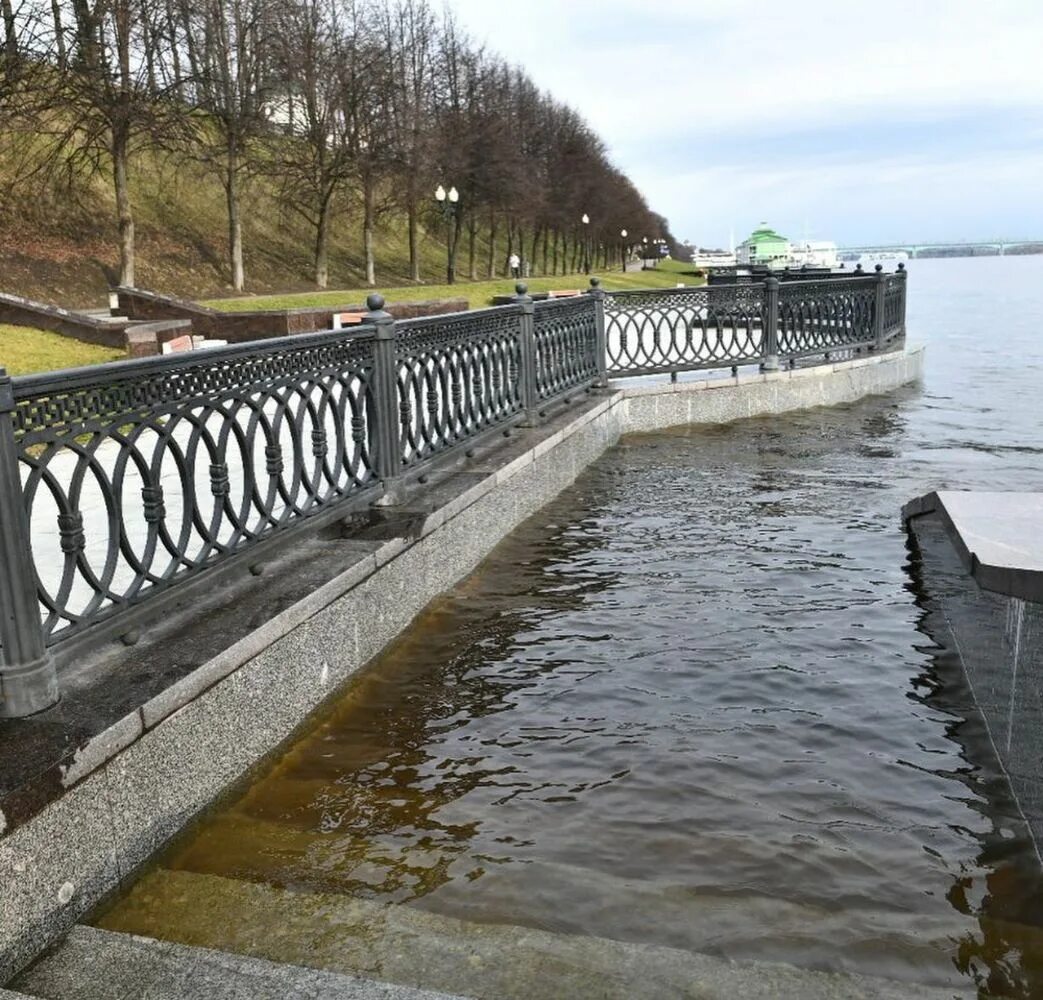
column 586, row 242
column 623, row 249
column 644, row 253
column 448, row 203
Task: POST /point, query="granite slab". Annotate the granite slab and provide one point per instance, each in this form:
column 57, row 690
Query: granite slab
column 998, row 536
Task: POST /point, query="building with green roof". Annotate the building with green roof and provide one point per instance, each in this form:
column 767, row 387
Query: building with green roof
column 764, row 246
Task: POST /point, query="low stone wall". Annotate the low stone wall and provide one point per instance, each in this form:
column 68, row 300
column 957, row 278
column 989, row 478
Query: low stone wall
column 120, row 795
column 260, row 324
column 25, row 312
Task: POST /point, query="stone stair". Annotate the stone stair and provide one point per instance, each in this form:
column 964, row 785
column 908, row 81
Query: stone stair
column 241, row 939
column 95, row 964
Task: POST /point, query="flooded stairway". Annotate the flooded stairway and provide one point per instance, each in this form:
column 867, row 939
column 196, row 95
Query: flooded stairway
column 312, row 946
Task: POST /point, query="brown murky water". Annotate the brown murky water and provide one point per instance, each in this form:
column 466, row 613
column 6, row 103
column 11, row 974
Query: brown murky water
column 692, row 703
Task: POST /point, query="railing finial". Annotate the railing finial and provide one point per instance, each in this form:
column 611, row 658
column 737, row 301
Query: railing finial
column 595, row 282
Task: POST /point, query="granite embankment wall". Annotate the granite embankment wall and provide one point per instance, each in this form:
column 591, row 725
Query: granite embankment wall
column 25, row 312
column 133, row 786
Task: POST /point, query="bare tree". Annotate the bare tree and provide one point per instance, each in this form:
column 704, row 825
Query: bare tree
column 407, row 29
column 99, row 103
column 316, row 159
column 230, row 46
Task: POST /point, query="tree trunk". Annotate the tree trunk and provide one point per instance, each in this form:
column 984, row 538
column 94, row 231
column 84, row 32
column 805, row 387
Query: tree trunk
column 150, row 55
column 414, row 256
column 546, row 236
column 554, row 254
column 235, row 224
column 322, row 245
column 10, row 38
column 492, row 245
column 367, row 229
column 535, row 248
column 472, row 239
column 124, row 210
column 59, row 36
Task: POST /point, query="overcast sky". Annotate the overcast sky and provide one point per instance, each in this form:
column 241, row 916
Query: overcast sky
column 852, row 121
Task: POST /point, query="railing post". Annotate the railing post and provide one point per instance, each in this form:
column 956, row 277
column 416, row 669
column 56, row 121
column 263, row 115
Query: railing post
column 903, row 275
column 385, row 418
column 879, row 332
column 770, row 325
column 527, row 368
column 28, row 681
column 597, row 293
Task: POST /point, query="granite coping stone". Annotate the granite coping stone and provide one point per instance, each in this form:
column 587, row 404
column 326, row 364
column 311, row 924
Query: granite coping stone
column 996, row 535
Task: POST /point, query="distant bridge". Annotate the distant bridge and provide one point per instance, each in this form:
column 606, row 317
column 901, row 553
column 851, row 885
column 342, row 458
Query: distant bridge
column 999, row 246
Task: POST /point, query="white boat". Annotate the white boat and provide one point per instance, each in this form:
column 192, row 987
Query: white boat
column 714, row 258
column 813, row 253
column 888, row 258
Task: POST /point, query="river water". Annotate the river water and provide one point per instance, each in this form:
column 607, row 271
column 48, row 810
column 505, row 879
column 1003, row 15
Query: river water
column 693, row 703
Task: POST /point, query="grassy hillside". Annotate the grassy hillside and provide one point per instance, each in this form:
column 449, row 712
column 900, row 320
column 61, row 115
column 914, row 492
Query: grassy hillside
column 58, row 237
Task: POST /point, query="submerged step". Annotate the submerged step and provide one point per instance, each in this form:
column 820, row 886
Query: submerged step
column 95, row 964
column 412, row 947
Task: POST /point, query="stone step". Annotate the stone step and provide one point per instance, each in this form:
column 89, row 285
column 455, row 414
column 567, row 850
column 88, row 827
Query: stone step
column 102, row 315
column 254, row 840
column 413, row 947
column 95, row 964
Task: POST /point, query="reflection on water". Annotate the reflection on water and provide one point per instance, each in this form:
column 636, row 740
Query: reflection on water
column 698, row 701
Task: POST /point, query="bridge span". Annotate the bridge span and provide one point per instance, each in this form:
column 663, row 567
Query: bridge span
column 969, row 248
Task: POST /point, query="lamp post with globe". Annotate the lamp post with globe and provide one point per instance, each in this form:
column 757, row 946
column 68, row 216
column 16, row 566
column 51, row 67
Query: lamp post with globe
column 448, row 202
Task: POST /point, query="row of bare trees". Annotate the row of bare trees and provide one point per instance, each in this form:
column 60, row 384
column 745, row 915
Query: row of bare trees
column 356, row 103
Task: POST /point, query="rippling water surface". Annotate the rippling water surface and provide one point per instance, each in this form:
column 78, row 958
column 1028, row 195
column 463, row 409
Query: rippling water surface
column 692, row 702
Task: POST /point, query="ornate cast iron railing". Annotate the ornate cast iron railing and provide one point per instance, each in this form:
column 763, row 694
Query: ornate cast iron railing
column 566, row 343
column 122, row 483
column 457, row 377
column 816, row 317
column 683, row 329
column 139, row 474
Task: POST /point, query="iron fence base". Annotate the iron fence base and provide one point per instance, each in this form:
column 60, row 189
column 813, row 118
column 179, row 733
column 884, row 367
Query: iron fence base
column 28, row 688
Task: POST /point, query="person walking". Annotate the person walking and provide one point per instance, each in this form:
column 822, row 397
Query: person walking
column 515, row 264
